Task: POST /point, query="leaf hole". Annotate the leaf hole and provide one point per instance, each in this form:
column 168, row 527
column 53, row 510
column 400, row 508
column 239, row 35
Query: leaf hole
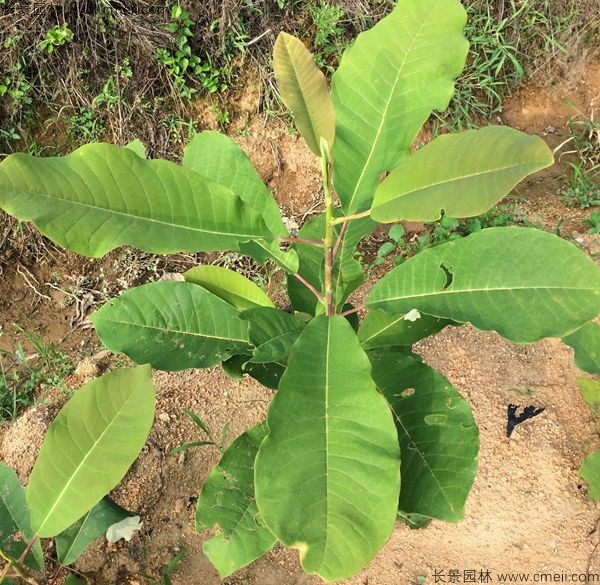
column 449, row 276
column 408, row 392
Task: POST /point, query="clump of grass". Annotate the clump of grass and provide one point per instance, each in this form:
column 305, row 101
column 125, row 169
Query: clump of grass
column 23, row 374
column 583, row 189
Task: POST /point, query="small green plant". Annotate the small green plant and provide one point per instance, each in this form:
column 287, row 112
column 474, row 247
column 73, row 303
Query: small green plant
column 22, row 375
column 584, row 183
column 593, row 223
column 85, row 126
column 182, row 65
column 57, row 36
column 360, row 431
column 328, row 39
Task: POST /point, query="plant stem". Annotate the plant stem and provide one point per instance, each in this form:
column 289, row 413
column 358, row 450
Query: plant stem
column 318, row 243
column 328, row 239
column 351, row 311
column 311, row 288
column 28, row 548
column 339, row 241
column 351, row 217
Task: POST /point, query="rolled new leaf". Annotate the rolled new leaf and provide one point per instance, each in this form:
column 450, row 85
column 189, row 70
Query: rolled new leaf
column 15, row 525
column 439, row 439
column 388, row 83
column 304, row 90
column 586, row 343
column 172, row 326
column 327, row 475
column 227, row 501
column 236, row 289
column 89, row 447
column 523, row 283
column 102, row 196
column 218, row 158
column 462, row 174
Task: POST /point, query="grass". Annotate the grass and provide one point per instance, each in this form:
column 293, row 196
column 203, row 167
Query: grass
column 23, row 374
column 583, row 189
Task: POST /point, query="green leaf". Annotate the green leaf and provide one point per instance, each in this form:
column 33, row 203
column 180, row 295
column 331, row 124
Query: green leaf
column 273, row 333
column 89, row 447
column 172, row 326
column 590, row 390
column 439, row 439
column 327, row 475
column 73, row 580
column 230, row 286
column 304, row 90
column 71, row 543
column 14, row 521
column 218, row 158
column 227, row 501
column 590, row 472
column 102, row 196
column 461, row 174
column 388, row 83
column 138, row 147
column 586, row 343
column 268, row 374
column 523, row 283
column 380, row 329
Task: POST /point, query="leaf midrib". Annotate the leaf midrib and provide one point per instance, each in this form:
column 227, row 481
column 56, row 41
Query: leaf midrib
column 475, row 290
column 16, row 193
column 174, row 331
column 458, row 179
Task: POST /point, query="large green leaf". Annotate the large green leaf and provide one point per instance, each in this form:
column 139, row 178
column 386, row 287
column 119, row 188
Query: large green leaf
column 327, row 475
column 590, row 391
column 523, row 283
column 227, row 501
column 172, row 326
column 439, row 439
column 273, row 333
column 218, row 158
column 380, row 329
column 586, row 343
column 15, row 527
column 590, row 472
column 387, row 85
column 230, row 286
column 89, row 447
column 102, row 196
column 462, row 174
column 304, row 90
column 71, row 543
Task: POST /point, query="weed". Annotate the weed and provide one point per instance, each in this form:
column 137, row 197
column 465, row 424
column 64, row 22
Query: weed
column 57, row 36
column 23, row 375
column 85, row 126
column 182, row 65
column 593, row 222
column 446, row 230
column 329, row 35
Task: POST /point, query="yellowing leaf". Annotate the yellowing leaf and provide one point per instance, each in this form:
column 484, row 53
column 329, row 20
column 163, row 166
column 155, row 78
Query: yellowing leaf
column 304, row 90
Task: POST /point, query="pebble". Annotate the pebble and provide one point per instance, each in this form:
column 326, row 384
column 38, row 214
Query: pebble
column 164, row 417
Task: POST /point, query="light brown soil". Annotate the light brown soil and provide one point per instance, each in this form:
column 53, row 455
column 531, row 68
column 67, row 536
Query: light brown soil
column 528, row 510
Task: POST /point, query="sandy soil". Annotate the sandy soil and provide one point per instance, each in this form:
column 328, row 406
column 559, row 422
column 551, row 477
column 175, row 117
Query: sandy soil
column 528, row 510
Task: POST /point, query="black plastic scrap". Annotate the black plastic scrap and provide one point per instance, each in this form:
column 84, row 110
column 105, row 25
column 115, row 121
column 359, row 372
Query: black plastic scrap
column 515, row 419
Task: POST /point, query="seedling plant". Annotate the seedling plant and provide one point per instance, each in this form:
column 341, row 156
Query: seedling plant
column 360, row 430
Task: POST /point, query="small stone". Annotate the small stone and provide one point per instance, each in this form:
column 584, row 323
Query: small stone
column 179, row 506
column 164, row 417
column 181, row 459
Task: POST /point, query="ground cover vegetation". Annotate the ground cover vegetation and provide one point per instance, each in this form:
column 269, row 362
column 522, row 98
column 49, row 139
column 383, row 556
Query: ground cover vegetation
column 360, row 432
